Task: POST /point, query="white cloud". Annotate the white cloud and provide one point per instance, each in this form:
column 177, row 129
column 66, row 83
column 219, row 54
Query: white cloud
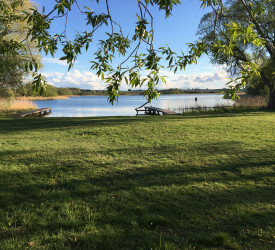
column 75, row 78
column 215, row 79
column 54, row 61
column 88, row 80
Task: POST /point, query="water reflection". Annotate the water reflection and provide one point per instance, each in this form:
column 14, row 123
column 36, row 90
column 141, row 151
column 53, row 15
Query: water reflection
column 177, row 102
column 98, row 105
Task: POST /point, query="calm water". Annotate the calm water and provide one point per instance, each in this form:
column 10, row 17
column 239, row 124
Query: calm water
column 99, row 106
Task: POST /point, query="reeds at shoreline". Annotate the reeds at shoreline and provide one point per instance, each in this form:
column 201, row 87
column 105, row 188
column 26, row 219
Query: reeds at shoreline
column 24, row 103
column 251, row 101
column 244, row 102
column 16, row 105
column 33, row 98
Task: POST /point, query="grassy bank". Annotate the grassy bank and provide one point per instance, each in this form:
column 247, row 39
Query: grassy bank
column 165, row 182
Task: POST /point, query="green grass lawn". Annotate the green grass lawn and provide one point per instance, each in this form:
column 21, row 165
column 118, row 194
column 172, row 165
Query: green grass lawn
column 160, row 182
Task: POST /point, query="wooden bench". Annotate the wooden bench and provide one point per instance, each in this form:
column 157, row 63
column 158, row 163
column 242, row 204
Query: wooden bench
column 139, row 109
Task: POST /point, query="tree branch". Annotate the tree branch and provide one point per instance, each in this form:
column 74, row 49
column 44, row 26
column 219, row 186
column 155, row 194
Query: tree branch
column 82, row 12
column 270, row 48
column 108, row 10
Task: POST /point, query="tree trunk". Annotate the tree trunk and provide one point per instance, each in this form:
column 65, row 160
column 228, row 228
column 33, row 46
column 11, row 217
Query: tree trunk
column 271, row 101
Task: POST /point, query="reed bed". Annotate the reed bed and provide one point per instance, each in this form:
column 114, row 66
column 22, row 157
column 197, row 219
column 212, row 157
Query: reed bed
column 244, row 102
column 251, row 101
column 218, row 108
column 16, row 105
column 33, row 98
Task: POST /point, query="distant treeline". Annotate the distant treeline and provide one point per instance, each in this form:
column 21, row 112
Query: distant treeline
column 26, row 90
column 54, row 91
column 171, row 91
column 50, row 91
column 176, row 91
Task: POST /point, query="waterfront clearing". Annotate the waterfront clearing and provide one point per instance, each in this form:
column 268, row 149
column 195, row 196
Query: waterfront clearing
column 204, row 181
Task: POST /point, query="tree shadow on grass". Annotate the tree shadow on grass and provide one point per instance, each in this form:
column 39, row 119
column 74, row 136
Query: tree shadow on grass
column 180, row 204
column 26, row 124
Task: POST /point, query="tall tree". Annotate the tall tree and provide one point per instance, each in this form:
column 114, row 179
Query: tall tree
column 241, row 35
column 14, row 32
column 10, row 76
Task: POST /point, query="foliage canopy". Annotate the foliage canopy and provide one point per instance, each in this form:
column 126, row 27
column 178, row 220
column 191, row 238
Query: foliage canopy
column 241, row 36
column 248, row 31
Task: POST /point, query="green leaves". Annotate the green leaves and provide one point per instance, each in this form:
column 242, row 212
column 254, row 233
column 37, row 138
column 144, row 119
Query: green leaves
column 207, row 3
column 38, row 32
column 70, row 50
column 180, row 62
column 152, row 92
column 140, row 31
column 11, row 47
column 115, row 43
column 96, row 20
column 166, row 5
column 63, row 6
column 39, row 84
column 244, row 34
column 101, row 63
column 32, row 66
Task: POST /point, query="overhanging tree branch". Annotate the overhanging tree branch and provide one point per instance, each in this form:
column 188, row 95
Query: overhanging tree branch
column 269, row 46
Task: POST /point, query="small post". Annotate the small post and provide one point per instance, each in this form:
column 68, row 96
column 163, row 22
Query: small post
column 196, row 99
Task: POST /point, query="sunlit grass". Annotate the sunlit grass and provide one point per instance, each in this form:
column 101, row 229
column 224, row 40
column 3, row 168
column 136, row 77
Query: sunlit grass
column 162, row 182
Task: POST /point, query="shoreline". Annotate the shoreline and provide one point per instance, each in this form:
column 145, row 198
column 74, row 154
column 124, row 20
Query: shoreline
column 216, row 93
column 37, row 98
column 41, row 98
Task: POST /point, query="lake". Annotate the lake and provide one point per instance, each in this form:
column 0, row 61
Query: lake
column 81, row 106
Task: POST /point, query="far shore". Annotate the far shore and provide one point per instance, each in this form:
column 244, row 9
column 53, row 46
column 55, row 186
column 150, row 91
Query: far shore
column 34, row 98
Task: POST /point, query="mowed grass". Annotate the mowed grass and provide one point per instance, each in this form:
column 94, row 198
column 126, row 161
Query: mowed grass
column 158, row 182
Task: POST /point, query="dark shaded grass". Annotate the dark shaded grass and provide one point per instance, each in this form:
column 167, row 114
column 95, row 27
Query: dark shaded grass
column 145, row 182
column 13, row 124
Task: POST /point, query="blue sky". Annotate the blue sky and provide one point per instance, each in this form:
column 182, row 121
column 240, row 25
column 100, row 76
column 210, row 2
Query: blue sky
column 176, row 31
